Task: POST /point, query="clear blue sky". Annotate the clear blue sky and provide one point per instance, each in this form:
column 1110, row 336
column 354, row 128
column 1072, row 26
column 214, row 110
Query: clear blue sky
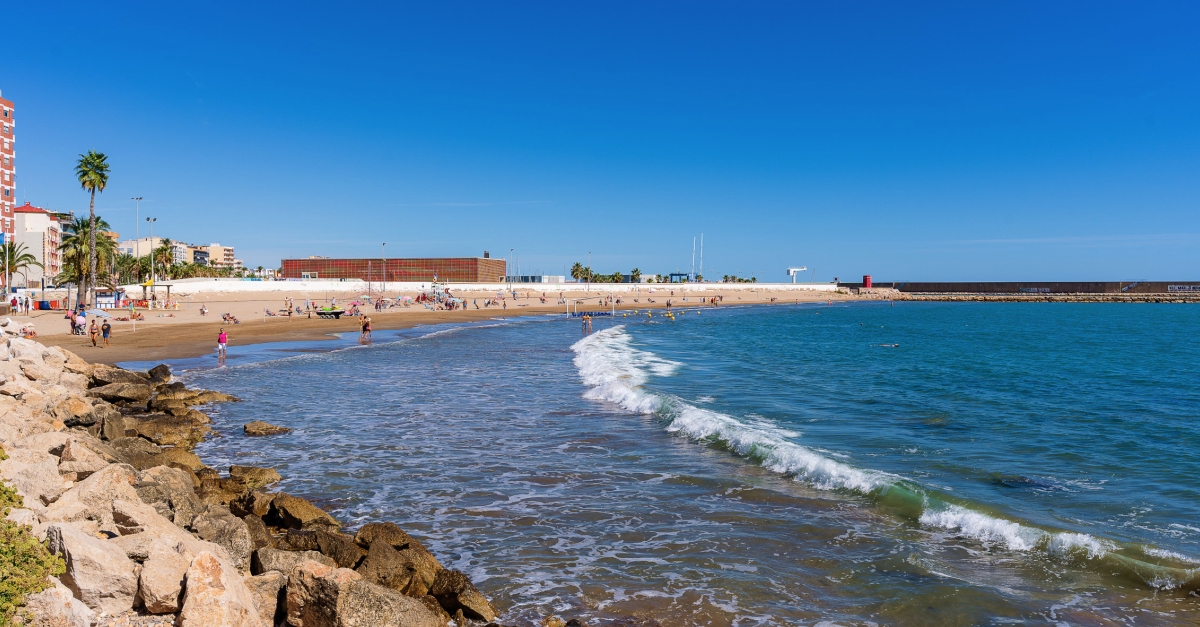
column 950, row 141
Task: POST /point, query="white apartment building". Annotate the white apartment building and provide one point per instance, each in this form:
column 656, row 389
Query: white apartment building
column 139, row 247
column 41, row 233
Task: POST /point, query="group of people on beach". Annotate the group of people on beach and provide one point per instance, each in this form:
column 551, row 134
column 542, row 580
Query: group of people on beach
column 99, row 333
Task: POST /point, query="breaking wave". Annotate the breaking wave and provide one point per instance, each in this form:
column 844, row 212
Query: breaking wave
column 616, row 371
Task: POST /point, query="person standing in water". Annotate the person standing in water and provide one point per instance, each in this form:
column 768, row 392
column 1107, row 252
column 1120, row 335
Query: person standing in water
column 222, row 341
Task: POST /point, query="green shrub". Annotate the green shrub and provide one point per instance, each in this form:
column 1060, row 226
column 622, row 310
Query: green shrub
column 25, row 563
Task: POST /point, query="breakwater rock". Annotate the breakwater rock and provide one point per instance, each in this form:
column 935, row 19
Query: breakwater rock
column 102, row 459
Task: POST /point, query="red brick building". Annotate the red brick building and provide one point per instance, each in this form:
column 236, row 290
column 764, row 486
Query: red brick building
column 8, row 167
column 449, row 269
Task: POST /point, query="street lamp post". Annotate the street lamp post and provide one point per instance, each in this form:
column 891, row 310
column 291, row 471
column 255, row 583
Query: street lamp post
column 383, row 267
column 589, row 272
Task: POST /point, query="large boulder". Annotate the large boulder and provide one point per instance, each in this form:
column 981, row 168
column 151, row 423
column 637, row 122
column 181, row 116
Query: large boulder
column 216, row 594
column 260, row 428
column 294, row 512
column 92, row 498
column 216, row 524
column 75, row 411
column 57, row 607
column 161, row 580
column 254, row 477
column 410, row 557
column 180, row 458
column 268, row 590
column 268, row 559
column 123, row 392
column 176, row 391
column 167, row 430
column 455, row 592
column 136, row 452
column 112, row 423
column 385, row 566
column 98, row 572
column 34, row 474
column 103, row 375
column 204, row 397
column 340, row 547
column 387, row 532
column 40, row 372
column 260, row 537
column 318, row 596
column 78, row 462
column 159, row 374
column 252, row 503
column 170, row 492
column 297, row 540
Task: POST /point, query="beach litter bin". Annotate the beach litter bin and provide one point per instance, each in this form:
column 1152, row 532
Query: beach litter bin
column 43, row 304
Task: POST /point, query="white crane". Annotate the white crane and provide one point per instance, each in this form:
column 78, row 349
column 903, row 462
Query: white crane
column 792, row 272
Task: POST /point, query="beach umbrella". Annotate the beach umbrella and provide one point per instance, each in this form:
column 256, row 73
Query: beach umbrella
column 97, row 312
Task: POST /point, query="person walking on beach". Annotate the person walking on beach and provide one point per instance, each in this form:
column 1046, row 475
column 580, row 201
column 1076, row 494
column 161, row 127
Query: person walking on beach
column 105, row 331
column 222, row 341
column 94, row 332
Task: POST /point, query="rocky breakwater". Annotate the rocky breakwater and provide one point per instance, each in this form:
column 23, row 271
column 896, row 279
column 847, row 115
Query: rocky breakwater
column 101, row 460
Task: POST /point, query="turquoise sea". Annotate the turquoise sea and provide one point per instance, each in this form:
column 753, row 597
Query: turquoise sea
column 850, row 464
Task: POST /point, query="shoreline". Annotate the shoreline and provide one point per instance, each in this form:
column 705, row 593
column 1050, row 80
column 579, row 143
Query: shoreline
column 155, row 341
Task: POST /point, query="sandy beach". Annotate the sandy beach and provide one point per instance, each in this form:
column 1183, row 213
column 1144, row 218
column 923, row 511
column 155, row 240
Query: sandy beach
column 184, row 332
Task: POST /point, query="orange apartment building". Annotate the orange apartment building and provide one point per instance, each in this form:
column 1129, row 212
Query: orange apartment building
column 8, row 168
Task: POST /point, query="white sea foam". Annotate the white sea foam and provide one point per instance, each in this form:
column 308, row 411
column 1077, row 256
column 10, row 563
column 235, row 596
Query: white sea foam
column 614, row 370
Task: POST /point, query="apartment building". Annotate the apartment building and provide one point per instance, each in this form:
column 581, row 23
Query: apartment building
column 8, row 167
column 221, row 256
column 40, row 231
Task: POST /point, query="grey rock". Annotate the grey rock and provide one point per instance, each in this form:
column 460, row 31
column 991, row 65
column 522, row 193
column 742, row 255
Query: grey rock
column 455, row 592
column 268, row 559
column 127, row 392
column 57, row 607
column 364, row 604
column 34, row 474
column 254, row 477
column 386, row 532
column 98, row 572
column 268, row 590
column 252, row 503
column 294, row 512
column 260, row 428
column 216, row 594
column 159, row 374
column 160, row 583
column 259, row 536
column 104, row 375
column 340, row 547
column 170, row 492
column 216, row 524
column 297, row 540
column 92, row 498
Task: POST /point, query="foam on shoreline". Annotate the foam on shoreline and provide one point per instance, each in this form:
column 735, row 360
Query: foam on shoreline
column 614, row 370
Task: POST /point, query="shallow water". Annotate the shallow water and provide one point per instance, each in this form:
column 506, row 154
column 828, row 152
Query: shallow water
column 1004, row 464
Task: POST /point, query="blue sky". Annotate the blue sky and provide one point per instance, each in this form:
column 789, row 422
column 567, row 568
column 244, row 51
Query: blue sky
column 910, row 141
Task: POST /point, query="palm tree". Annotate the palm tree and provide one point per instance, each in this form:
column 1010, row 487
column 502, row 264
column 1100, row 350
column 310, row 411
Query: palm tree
column 16, row 259
column 92, row 170
column 164, row 257
column 577, row 271
column 79, row 255
column 636, row 276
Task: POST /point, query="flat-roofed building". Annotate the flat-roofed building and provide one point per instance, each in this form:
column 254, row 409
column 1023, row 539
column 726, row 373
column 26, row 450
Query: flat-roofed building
column 8, row 166
column 40, row 231
column 450, row 269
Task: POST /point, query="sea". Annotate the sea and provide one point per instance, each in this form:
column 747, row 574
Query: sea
column 787, row 464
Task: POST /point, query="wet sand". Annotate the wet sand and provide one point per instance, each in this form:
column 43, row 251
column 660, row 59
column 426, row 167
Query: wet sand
column 185, row 333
